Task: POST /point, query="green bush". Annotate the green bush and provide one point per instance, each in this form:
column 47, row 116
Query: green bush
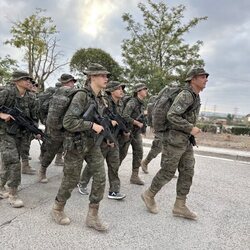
column 240, row 130
column 207, row 127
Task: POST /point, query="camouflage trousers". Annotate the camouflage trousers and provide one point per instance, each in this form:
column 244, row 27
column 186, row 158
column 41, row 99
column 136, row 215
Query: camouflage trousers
column 73, row 161
column 25, row 149
column 10, row 172
column 137, row 149
column 177, row 153
column 156, row 148
column 50, row 148
column 112, row 158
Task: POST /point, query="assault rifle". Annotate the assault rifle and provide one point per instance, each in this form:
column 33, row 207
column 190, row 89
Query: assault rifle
column 121, row 127
column 22, row 121
column 193, row 141
column 141, row 118
column 92, row 114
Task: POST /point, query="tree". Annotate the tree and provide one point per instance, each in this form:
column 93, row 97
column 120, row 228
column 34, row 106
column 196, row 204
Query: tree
column 230, row 119
column 7, row 65
column 83, row 57
column 156, row 51
column 36, row 34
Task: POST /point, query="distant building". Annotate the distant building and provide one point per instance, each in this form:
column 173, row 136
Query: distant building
column 247, row 118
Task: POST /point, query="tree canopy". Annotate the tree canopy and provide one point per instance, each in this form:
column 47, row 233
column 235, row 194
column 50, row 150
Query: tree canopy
column 7, row 65
column 83, row 57
column 36, row 34
column 156, row 50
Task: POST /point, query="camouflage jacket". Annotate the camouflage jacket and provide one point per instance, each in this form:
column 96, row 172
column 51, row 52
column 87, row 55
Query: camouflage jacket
column 179, row 116
column 10, row 97
column 132, row 110
column 116, row 108
column 73, row 121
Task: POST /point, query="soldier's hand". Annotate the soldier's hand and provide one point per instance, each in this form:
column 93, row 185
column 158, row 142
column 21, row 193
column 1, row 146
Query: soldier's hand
column 126, row 134
column 97, row 128
column 114, row 123
column 38, row 137
column 138, row 124
column 195, row 131
column 110, row 144
column 6, row 117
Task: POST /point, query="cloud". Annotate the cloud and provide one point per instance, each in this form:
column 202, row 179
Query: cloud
column 98, row 23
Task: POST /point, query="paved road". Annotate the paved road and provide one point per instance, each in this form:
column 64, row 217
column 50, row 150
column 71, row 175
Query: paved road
column 220, row 196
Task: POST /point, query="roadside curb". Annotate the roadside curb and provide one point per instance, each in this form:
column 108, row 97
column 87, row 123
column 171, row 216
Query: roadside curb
column 236, row 156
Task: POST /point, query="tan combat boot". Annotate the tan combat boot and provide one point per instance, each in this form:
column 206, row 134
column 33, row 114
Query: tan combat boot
column 13, row 198
column 42, row 175
column 93, row 220
column 148, row 198
column 27, row 169
column 181, row 210
column 58, row 214
column 144, row 165
column 59, row 160
column 135, row 179
column 3, row 193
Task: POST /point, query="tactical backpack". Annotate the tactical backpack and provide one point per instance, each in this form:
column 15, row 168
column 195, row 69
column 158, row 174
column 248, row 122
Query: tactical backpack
column 150, row 106
column 162, row 105
column 44, row 99
column 11, row 96
column 59, row 105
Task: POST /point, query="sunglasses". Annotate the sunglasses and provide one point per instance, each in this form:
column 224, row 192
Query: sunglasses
column 26, row 79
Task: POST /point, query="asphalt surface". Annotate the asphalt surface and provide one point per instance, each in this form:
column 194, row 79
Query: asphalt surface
column 219, row 195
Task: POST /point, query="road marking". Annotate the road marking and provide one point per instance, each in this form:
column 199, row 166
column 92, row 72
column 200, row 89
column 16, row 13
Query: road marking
column 223, row 159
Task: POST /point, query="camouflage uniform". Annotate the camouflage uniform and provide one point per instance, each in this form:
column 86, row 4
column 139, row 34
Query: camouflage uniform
column 73, row 159
column 55, row 144
column 25, row 149
column 133, row 109
column 43, row 112
column 111, row 154
column 177, row 152
column 156, row 147
column 11, row 144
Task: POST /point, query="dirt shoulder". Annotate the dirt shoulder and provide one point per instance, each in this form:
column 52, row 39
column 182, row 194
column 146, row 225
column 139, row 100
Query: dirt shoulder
column 239, row 142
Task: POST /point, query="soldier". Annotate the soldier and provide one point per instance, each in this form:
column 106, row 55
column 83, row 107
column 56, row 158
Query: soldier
column 10, row 144
column 156, row 149
column 56, row 135
column 25, row 149
column 132, row 110
column 114, row 92
column 44, row 100
column 83, row 148
column 177, row 148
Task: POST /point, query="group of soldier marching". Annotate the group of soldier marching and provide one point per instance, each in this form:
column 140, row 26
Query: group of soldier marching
column 98, row 124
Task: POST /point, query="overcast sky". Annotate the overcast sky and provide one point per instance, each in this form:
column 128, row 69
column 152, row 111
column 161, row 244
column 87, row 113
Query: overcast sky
column 98, row 23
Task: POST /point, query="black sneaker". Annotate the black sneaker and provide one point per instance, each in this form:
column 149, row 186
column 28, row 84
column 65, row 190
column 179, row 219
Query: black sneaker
column 116, row 196
column 82, row 190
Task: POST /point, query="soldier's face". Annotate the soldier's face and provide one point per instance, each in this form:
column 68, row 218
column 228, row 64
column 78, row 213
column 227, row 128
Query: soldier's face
column 143, row 93
column 200, row 81
column 25, row 83
column 101, row 80
column 118, row 93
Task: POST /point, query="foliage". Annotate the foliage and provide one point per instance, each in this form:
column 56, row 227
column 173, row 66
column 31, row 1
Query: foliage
column 36, row 35
column 156, row 51
column 7, row 65
column 240, row 130
column 83, row 57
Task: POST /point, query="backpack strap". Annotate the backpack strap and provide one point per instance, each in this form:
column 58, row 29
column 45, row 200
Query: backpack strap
column 195, row 104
